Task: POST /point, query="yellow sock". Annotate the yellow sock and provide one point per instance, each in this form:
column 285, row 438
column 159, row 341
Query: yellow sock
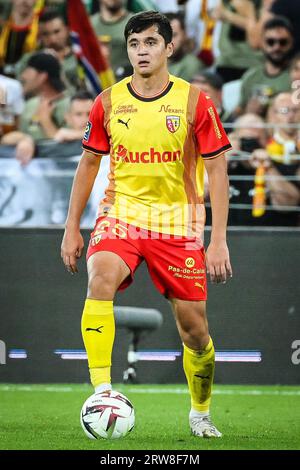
column 199, row 369
column 98, row 332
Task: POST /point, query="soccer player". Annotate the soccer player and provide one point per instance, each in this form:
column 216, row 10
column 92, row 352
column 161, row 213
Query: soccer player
column 160, row 133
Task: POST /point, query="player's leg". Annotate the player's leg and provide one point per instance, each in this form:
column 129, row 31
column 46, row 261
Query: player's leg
column 198, row 362
column 177, row 268
column 106, row 272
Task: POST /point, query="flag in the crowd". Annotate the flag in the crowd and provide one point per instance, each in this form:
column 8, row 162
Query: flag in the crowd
column 87, row 48
column 206, row 47
column 259, row 193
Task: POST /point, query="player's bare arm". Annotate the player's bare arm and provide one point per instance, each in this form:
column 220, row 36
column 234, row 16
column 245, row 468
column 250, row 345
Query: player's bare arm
column 217, row 255
column 73, row 244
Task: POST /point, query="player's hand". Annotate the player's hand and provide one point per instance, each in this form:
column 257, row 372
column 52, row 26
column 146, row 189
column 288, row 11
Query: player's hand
column 71, row 250
column 218, row 263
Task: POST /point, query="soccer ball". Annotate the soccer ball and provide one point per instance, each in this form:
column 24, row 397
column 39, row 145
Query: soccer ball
column 107, row 415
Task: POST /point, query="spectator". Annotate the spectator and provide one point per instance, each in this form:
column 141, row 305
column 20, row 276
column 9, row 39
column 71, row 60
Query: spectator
column 43, row 113
column 110, row 22
column 280, row 159
column 287, row 8
column 263, row 82
column 249, row 134
column 11, row 104
column 212, row 84
column 18, row 34
column 54, row 36
column 236, row 55
column 182, row 63
column 76, row 117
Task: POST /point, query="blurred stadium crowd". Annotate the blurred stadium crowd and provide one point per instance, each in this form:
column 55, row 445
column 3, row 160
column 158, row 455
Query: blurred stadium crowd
column 56, row 56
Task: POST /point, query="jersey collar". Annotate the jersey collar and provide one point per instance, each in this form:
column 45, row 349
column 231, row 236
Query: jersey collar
column 134, row 93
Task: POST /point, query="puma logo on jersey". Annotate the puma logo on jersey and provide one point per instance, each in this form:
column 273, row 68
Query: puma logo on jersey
column 120, row 121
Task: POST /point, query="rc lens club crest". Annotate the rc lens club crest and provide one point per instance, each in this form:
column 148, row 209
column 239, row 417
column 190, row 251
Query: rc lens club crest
column 173, row 123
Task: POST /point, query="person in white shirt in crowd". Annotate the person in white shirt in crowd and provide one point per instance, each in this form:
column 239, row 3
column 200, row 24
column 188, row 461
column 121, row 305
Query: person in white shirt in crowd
column 11, row 104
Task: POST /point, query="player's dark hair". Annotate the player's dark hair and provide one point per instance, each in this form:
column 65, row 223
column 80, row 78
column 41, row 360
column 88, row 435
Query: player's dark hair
column 146, row 19
column 278, row 22
column 176, row 16
column 50, row 15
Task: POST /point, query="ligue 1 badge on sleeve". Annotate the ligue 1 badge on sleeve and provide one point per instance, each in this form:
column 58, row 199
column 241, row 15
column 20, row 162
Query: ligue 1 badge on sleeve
column 87, row 131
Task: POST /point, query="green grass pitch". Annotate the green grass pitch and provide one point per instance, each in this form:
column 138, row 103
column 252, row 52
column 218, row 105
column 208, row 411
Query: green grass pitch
column 250, row 417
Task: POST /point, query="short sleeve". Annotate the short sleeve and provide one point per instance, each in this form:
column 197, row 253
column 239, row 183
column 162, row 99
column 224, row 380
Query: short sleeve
column 211, row 138
column 95, row 137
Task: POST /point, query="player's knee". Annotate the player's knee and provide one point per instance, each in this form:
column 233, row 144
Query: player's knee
column 102, row 286
column 196, row 336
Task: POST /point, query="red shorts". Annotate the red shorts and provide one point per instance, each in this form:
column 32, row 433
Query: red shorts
column 176, row 265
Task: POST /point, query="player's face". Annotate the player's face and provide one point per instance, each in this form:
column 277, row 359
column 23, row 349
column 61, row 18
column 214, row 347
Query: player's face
column 54, row 34
column 148, row 52
column 78, row 115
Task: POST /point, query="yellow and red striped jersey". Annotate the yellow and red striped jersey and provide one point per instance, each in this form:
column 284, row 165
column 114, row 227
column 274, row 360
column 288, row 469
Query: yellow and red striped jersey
column 156, row 145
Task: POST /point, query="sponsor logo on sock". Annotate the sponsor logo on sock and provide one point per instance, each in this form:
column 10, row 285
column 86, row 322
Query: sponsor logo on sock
column 95, row 329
